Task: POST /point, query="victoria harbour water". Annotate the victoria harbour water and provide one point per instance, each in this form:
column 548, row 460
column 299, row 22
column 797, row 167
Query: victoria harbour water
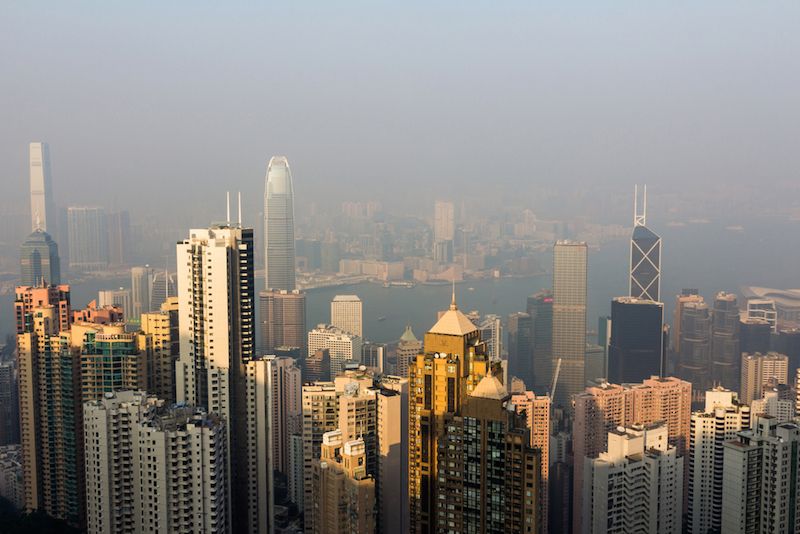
column 709, row 256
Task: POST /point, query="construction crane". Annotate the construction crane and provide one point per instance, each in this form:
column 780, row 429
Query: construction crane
column 555, row 379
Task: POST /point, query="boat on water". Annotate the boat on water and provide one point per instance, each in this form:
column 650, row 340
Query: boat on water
column 382, row 318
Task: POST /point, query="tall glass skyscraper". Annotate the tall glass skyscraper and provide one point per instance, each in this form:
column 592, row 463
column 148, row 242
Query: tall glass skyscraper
column 279, row 225
column 569, row 318
column 43, row 212
column 39, row 262
column 645, row 266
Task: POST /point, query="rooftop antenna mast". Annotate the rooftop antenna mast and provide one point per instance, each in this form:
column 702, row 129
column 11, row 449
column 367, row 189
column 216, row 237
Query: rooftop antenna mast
column 240, row 208
column 228, row 206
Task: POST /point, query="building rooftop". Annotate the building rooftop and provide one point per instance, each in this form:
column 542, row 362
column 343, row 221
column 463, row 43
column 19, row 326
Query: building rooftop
column 453, row 322
column 490, row 387
column 408, row 336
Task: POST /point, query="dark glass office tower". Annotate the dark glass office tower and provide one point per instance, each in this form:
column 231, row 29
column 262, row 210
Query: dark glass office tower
column 695, row 345
column 39, row 262
column 754, row 335
column 540, row 308
column 520, row 350
column 788, row 342
column 725, row 355
column 636, row 350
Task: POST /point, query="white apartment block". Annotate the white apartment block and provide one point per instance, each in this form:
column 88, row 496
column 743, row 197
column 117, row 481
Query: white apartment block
column 216, row 315
column 347, row 314
column 782, row 410
column 636, row 486
column 721, row 420
column 761, row 480
column 153, row 468
column 758, row 370
column 343, row 347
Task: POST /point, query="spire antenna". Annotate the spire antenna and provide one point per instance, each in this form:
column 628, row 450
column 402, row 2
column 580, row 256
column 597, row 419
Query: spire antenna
column 240, row 208
column 644, row 208
column 639, row 217
column 228, row 206
column 453, row 305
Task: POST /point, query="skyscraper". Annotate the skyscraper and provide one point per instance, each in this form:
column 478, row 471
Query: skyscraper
column 39, row 262
column 758, row 370
column 320, row 415
column 154, row 467
column 9, row 403
column 444, row 229
column 141, row 290
column 540, row 308
column 520, row 350
column 88, row 238
column 636, row 350
column 27, row 298
column 162, row 326
column 111, row 359
column 761, row 479
column 283, row 320
column 117, row 298
column 488, row 473
column 217, row 338
column 343, row 490
column 43, row 211
column 537, row 415
column 604, row 407
column 645, row 265
column 725, row 355
column 51, row 417
column 163, row 288
column 347, row 314
column 720, row 421
column 453, row 362
column 287, row 411
column 343, row 347
column 695, row 345
column 392, row 476
column 687, row 295
column 279, row 225
column 754, row 335
column 636, row 485
column 569, row 317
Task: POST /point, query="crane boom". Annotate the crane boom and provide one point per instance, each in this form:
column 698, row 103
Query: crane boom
column 555, row 379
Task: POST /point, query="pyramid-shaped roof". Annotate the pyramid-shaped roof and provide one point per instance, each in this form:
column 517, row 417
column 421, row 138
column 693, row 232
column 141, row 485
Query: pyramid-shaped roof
column 490, row 387
column 453, row 323
column 408, row 336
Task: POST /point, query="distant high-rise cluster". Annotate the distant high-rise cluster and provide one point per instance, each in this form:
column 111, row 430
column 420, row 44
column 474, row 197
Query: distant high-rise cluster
column 182, row 404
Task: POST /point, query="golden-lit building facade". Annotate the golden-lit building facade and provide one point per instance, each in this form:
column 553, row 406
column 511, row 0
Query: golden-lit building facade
column 452, row 363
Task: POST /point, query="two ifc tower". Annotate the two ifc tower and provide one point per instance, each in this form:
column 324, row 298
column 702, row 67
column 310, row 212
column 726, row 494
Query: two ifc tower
column 278, row 224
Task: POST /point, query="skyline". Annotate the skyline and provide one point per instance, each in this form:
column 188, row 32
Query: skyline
column 441, row 316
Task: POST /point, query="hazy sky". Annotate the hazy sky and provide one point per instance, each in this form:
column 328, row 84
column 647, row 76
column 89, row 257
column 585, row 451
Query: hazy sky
column 140, row 100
